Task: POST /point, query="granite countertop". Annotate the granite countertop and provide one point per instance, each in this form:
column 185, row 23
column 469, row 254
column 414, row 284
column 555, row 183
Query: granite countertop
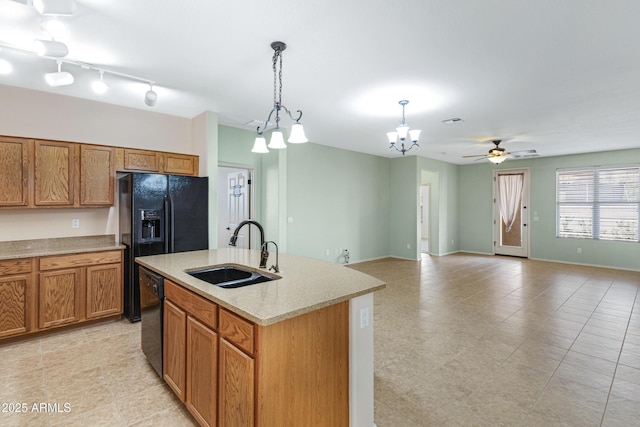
column 307, row 284
column 57, row 246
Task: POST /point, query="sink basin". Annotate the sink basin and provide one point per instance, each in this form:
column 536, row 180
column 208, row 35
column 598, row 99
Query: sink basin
column 229, row 276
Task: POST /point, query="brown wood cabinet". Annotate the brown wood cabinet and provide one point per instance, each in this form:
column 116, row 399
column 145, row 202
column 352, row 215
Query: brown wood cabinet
column 104, row 291
column 97, row 175
column 54, row 173
column 59, row 297
column 59, row 174
column 135, row 160
column 14, row 171
column 294, row 372
column 17, row 303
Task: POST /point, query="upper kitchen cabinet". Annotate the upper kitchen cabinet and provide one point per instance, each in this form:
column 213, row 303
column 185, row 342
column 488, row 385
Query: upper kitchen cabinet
column 133, row 160
column 14, row 171
column 54, row 173
column 97, row 175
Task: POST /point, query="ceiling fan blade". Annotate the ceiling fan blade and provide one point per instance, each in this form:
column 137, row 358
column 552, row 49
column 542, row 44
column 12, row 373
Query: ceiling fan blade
column 476, row 155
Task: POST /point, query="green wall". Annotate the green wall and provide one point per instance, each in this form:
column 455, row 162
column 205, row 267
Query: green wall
column 475, row 214
column 337, row 199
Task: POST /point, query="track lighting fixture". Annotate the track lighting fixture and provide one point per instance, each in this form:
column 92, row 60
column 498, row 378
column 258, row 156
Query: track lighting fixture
column 61, row 78
column 55, row 7
column 150, row 98
column 99, row 86
column 55, row 28
column 297, row 135
column 51, row 48
column 5, row 67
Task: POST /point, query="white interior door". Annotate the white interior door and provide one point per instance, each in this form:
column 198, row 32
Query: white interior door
column 424, row 218
column 511, row 212
column 234, row 205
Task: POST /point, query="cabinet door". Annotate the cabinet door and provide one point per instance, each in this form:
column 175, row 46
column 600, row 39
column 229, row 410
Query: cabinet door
column 202, row 372
column 15, row 305
column 97, row 175
column 174, row 348
column 138, row 160
column 104, row 290
column 14, row 171
column 179, row 164
column 235, row 387
column 59, row 297
column 54, row 173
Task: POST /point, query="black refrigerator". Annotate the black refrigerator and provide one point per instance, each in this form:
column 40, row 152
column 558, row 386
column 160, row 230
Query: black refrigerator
column 159, row 214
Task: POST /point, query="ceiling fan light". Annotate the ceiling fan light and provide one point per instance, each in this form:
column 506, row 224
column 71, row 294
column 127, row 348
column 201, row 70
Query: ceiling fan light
column 51, row 48
column 277, row 140
column 497, row 159
column 260, row 145
column 402, row 132
column 60, row 78
column 55, row 7
column 297, row 134
column 414, row 134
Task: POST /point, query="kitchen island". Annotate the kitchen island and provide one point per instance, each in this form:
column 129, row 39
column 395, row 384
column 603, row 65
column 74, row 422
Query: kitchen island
column 293, row 351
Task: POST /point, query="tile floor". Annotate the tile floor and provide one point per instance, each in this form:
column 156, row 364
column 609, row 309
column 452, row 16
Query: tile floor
column 461, row 340
column 469, row 340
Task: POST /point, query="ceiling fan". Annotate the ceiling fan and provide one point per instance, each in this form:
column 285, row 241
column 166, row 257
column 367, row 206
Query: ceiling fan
column 498, row 154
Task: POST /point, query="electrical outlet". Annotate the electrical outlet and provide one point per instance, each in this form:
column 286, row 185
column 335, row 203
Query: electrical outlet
column 579, row 250
column 328, row 252
column 364, row 317
column 75, row 223
column 408, row 245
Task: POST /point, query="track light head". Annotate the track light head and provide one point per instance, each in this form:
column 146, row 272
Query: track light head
column 51, row 48
column 150, row 98
column 60, row 78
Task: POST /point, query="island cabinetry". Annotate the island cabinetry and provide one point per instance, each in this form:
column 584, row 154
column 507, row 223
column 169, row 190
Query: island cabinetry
column 191, row 351
column 134, row 160
column 17, row 303
column 77, row 287
column 14, row 171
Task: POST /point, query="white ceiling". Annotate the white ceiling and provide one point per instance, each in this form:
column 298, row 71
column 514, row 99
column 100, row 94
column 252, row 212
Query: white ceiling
column 560, row 77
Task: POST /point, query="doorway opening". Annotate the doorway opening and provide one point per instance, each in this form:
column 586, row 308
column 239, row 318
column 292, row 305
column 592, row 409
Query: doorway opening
column 235, row 204
column 510, row 212
column 425, row 192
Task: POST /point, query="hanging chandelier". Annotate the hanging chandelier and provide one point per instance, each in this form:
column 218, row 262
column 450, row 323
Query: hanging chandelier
column 401, row 132
column 297, row 135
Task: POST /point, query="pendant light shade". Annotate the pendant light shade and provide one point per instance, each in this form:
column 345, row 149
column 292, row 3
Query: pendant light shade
column 260, row 145
column 297, row 134
column 277, row 140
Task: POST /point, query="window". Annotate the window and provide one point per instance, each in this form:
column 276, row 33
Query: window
column 598, row 203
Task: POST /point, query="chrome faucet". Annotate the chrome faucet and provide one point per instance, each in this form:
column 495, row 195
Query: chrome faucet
column 264, row 254
column 265, row 245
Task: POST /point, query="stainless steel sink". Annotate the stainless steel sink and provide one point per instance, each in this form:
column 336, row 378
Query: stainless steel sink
column 231, row 276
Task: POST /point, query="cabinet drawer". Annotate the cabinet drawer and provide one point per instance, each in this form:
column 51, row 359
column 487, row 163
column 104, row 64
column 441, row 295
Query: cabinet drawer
column 78, row 260
column 197, row 306
column 237, row 330
column 16, row 266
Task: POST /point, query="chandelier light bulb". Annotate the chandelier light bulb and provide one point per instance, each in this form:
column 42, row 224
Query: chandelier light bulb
column 260, row 145
column 297, row 134
column 277, row 140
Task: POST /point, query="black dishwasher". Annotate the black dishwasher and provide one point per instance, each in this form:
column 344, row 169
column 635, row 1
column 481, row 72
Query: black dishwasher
column 151, row 307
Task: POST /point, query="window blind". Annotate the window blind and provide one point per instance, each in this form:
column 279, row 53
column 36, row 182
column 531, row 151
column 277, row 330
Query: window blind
column 600, row 203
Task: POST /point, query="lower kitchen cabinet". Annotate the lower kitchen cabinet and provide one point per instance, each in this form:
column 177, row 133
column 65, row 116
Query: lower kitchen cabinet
column 42, row 293
column 174, row 349
column 236, row 385
column 202, row 372
column 291, row 373
column 59, row 298
column 17, row 299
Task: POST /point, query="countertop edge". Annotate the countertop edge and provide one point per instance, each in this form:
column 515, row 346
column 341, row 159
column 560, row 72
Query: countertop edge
column 269, row 320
